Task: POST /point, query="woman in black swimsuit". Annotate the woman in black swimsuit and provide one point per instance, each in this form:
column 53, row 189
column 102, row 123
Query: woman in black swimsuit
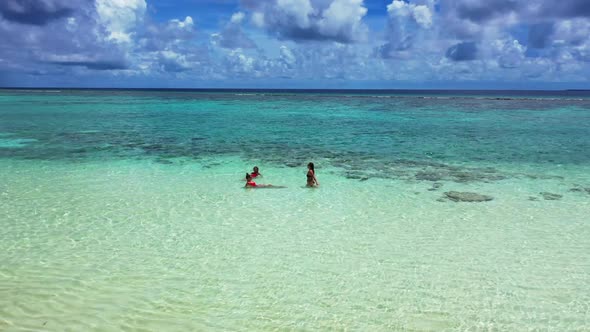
column 312, row 181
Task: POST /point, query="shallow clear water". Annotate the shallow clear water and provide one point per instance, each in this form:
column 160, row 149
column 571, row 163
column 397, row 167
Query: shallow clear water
column 125, row 210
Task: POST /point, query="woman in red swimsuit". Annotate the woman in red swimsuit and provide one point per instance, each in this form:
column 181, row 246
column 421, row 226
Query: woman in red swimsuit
column 252, row 184
column 249, row 182
column 255, row 172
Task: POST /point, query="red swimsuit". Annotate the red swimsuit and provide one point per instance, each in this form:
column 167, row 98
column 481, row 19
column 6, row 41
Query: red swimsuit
column 251, row 184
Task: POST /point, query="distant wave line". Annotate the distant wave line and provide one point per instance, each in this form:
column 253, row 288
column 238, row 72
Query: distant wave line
column 413, row 97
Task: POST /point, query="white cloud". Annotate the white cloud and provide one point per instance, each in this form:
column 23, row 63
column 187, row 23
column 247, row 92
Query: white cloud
column 344, row 17
column 258, row 19
column 509, row 53
column 298, row 10
column 419, row 14
column 120, row 17
column 410, row 27
column 240, row 63
column 171, row 61
column 237, row 18
column 301, row 20
column 187, row 24
column 423, row 16
column 287, row 56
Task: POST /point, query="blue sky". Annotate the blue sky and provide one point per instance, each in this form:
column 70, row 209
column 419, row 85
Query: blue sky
column 475, row 44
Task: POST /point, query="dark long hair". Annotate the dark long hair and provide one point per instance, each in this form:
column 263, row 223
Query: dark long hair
column 248, row 176
column 310, row 166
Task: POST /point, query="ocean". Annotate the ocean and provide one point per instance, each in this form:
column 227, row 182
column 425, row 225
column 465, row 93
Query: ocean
column 436, row 210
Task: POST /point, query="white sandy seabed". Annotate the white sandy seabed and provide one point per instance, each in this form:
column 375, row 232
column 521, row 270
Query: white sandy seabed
column 138, row 245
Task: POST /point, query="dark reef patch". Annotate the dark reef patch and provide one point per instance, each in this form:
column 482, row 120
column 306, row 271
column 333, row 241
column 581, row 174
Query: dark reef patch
column 457, row 196
column 580, row 189
column 551, row 196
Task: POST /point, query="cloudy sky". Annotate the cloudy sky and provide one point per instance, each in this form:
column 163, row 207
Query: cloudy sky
column 296, row 43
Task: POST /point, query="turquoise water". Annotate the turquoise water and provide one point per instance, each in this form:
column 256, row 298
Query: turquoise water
column 125, row 210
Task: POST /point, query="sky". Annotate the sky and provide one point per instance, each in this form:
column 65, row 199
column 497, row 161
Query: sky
column 375, row 44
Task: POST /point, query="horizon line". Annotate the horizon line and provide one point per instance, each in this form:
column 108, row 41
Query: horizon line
column 283, row 89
